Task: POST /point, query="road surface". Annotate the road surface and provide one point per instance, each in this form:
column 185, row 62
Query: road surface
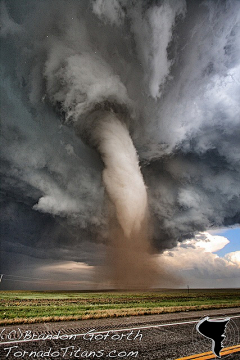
column 152, row 337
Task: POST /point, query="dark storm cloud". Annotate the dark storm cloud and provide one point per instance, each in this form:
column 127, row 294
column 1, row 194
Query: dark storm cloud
column 173, row 64
column 25, row 231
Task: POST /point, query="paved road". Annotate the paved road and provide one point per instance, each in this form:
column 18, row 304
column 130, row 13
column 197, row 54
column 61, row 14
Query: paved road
column 155, row 337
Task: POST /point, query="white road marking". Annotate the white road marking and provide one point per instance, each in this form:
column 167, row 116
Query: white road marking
column 114, row 330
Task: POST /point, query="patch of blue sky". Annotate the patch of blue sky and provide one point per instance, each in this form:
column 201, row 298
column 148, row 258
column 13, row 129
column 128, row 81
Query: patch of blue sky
column 233, row 235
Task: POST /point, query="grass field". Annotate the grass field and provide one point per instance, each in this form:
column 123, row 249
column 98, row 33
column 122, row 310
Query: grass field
column 38, row 306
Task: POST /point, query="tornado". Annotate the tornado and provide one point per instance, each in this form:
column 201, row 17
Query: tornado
column 122, row 175
column 131, row 264
column 96, row 103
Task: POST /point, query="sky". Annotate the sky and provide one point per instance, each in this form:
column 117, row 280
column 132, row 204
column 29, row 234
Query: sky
column 169, row 71
column 233, row 235
column 210, row 260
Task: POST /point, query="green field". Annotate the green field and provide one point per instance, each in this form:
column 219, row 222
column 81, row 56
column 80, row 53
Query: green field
column 38, row 306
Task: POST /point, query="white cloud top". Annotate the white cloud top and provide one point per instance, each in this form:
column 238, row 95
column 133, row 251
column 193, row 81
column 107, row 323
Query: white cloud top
column 195, row 261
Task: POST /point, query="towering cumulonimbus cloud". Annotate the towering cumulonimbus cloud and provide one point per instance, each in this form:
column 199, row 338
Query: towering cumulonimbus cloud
column 167, row 73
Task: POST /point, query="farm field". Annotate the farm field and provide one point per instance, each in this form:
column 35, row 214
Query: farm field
column 40, row 306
